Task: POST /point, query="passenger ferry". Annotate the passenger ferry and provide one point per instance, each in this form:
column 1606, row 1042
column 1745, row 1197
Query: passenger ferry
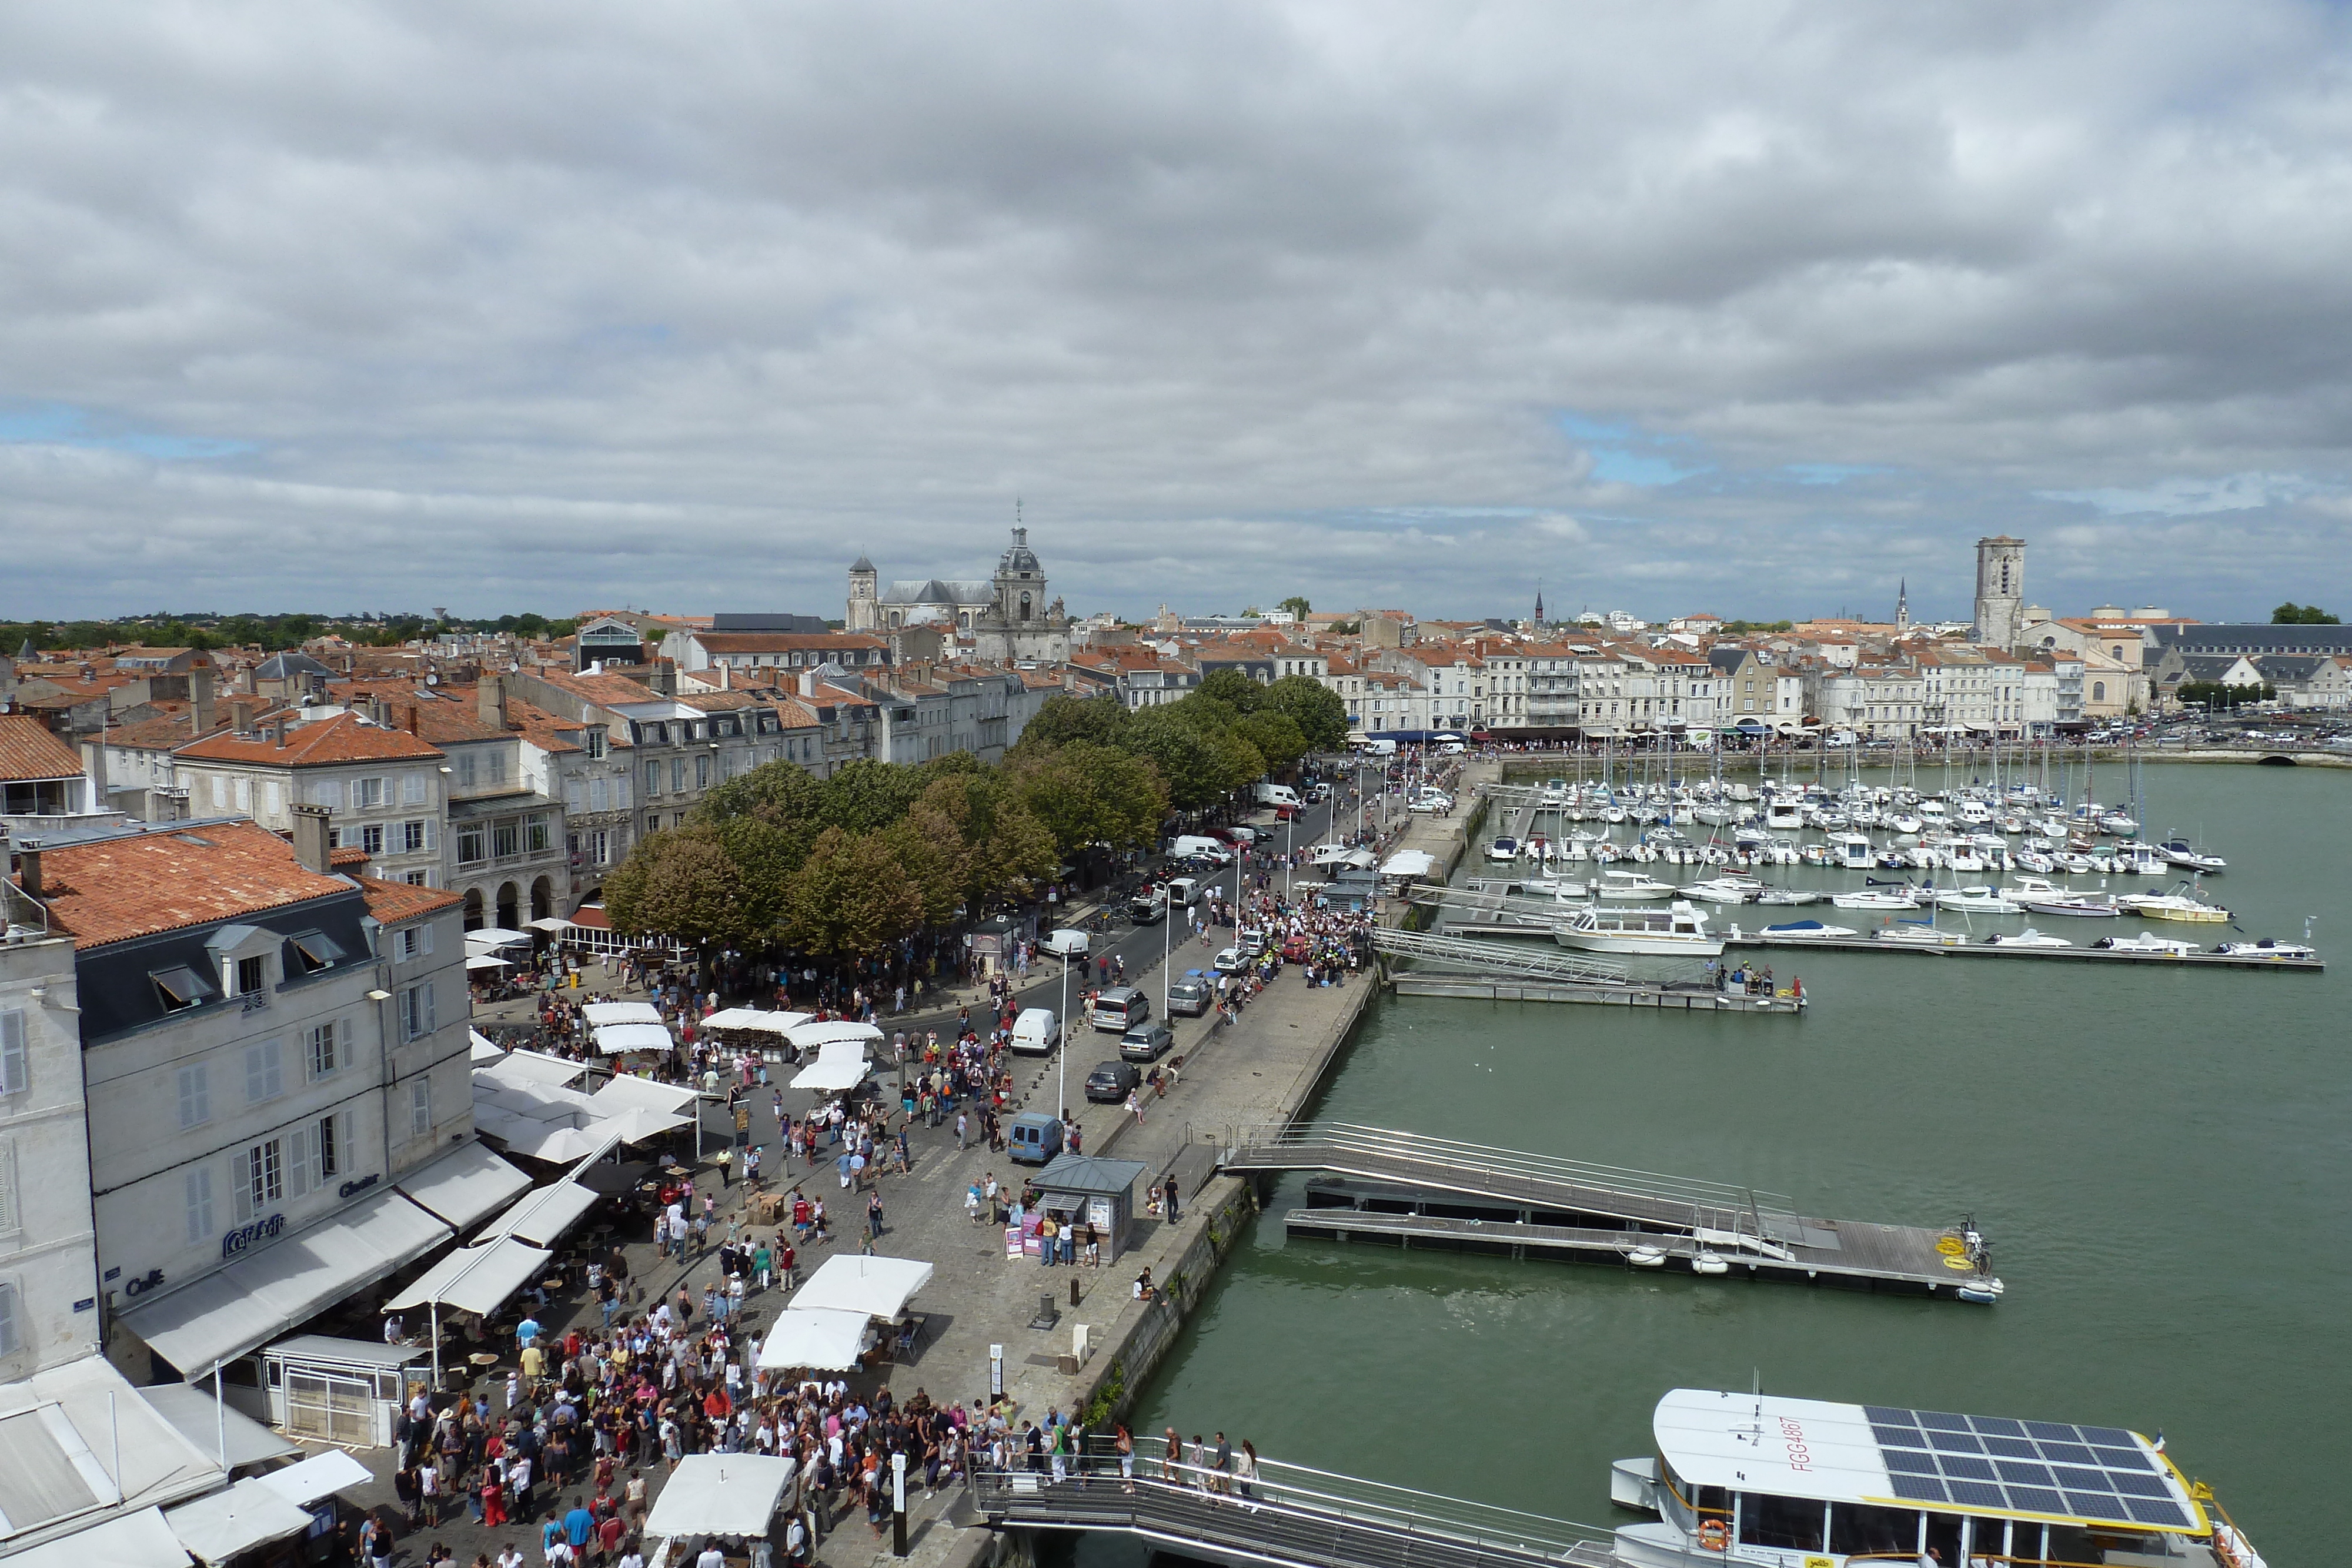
column 1802, row 1483
column 1678, row 931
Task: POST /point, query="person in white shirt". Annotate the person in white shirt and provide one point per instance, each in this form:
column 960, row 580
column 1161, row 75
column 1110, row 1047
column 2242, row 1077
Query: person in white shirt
column 711, row 1556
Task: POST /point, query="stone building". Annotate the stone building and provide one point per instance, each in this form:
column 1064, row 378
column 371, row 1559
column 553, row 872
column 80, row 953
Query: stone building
column 1006, row 617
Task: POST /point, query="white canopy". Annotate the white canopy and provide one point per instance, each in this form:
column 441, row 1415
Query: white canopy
column 483, row 1050
column 321, row 1475
column 600, row 1013
column 638, row 1123
column 560, row 1145
column 613, row 1039
column 491, row 938
column 753, row 1018
column 284, row 1283
column 877, row 1287
column 824, row 1339
column 550, row 922
column 628, row 1091
column 542, row 1216
column 479, row 962
column 476, row 1278
column 1410, row 862
column 809, row 1036
column 217, row 1528
column 830, row 1074
column 720, row 1494
column 464, row 1185
column 194, row 1414
column 533, row 1067
column 142, row 1540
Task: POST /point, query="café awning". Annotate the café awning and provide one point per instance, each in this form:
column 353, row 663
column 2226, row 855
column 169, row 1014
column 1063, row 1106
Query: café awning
column 480, row 963
column 476, row 1278
column 196, row 1416
column 822, row 1339
column 142, row 1540
column 321, row 1475
column 229, row 1523
column 483, row 1050
column 542, row 1216
column 753, row 1018
column 491, row 938
column 877, row 1287
column 464, row 1185
column 628, row 1091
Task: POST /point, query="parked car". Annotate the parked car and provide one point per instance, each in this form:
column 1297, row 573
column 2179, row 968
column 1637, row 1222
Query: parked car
column 1229, row 961
column 1120, row 1009
column 1112, row 1081
column 1147, row 1041
column 1189, row 999
column 1251, row 939
column 1286, row 813
column 1430, row 805
column 1065, row 944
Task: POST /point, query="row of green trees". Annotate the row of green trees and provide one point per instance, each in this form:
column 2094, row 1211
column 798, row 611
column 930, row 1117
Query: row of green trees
column 2293, row 614
column 851, row 865
column 2221, row 696
column 271, row 633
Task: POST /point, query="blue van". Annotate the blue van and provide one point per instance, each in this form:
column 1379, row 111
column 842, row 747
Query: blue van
column 1033, row 1137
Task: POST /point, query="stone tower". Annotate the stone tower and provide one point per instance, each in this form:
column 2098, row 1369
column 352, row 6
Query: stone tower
column 1020, row 584
column 1903, row 605
column 865, row 598
column 2001, row 589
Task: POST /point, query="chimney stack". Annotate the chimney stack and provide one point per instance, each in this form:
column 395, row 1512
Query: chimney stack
column 29, row 869
column 200, row 701
column 311, row 836
column 663, row 678
column 491, row 700
column 240, row 715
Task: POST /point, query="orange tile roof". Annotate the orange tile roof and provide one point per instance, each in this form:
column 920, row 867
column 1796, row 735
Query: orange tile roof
column 116, row 889
column 393, row 901
column 28, row 750
column 341, row 740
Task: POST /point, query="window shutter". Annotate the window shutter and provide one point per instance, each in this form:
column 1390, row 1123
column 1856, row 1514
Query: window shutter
column 13, row 1080
column 9, row 1222
column 425, row 935
column 425, row 993
column 240, row 1171
column 199, row 1190
column 298, row 1161
column 7, row 1320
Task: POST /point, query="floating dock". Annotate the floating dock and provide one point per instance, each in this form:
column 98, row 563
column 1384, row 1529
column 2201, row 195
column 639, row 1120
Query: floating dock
column 1449, row 966
column 1374, row 1183
column 1976, row 947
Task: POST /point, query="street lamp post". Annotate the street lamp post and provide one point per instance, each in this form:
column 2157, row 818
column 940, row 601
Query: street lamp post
column 1062, row 1041
column 1167, row 952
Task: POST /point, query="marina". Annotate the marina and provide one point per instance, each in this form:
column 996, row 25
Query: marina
column 1446, row 965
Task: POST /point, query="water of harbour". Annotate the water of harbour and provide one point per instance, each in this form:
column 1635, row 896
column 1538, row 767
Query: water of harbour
column 2160, row 1159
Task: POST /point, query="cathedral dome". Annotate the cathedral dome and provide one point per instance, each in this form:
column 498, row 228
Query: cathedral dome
column 1020, row 557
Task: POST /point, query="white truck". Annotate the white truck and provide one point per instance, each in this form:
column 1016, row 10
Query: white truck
column 1272, row 794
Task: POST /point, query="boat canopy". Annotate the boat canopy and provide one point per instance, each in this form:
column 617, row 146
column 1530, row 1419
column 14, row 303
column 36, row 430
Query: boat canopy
column 1889, row 1456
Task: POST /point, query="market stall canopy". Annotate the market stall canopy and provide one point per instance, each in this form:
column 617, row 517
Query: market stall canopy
column 321, row 1475
column 720, row 1494
column 598, row 1013
column 476, row 1278
column 534, row 1067
column 229, row 1523
column 753, row 1018
column 811, row 1036
column 1410, row 862
column 562, row 1145
column 543, row 1216
column 197, row 1416
column 878, row 1287
column 284, row 1283
column 491, row 938
column 483, row 1050
column 822, row 1339
column 551, row 923
column 479, row 962
column 628, row 1091
column 828, row 1075
column 464, row 1185
column 142, row 1540
column 613, row 1039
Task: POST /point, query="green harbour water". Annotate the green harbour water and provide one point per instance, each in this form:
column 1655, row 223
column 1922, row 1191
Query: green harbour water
column 2161, row 1160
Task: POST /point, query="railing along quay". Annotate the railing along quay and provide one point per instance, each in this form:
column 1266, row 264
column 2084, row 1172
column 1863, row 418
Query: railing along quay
column 1289, row 1514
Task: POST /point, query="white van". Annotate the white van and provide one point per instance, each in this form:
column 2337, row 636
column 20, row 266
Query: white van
column 1181, row 892
column 1379, row 747
column 1272, row 794
column 1036, row 1032
column 1065, row 944
column 1191, row 845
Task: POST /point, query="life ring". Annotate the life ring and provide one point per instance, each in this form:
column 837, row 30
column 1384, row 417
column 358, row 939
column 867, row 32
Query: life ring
column 1714, row 1535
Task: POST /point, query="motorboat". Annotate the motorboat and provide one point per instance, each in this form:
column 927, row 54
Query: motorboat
column 1805, row 931
column 2181, row 853
column 1875, row 898
column 1503, row 850
column 1919, row 933
column 1904, row 822
column 1838, row 1485
column 1855, row 852
column 1554, row 794
column 1726, row 890
column 1631, row 886
column 1676, row 931
column 2141, row 860
column 2079, row 906
column 2146, row 945
column 2029, row 937
column 2268, row 947
column 2177, row 905
column 1784, row 814
column 1790, row 896
column 1978, row 900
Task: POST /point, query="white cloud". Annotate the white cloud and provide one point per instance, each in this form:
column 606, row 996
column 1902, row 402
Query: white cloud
column 554, row 306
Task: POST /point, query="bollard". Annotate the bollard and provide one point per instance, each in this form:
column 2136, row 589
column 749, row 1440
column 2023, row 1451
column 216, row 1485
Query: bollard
column 1074, row 1291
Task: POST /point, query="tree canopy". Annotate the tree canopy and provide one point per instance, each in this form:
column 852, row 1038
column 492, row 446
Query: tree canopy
column 2293, row 614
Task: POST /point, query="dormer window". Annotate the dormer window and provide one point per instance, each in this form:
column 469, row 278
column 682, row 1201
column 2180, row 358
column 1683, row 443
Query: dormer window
column 180, row 988
column 313, row 952
column 252, row 975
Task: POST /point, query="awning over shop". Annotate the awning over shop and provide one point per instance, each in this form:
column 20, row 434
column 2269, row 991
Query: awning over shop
column 77, row 1438
column 809, row 1036
column 321, row 1475
column 720, row 1494
column 142, row 1540
column 613, row 1039
column 197, row 1416
column 217, row 1528
column 542, row 1216
column 464, row 1185
column 284, row 1283
column 822, row 1339
column 476, row 1278
column 877, row 1287
column 600, row 1013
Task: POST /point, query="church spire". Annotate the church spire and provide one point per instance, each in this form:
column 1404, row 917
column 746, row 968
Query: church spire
column 1903, row 604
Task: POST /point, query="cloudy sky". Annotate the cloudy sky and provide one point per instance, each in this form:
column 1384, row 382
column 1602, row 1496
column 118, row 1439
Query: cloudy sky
column 1743, row 307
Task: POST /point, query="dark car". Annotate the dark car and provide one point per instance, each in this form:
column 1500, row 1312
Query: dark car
column 1113, row 1081
column 1188, row 998
column 1147, row 1041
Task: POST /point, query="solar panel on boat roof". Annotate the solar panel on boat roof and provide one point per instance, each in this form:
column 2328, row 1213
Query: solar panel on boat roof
column 1943, row 1418
column 1889, row 1415
column 2102, row 1470
column 1968, row 1466
column 2163, row 1513
column 1908, row 1460
column 2051, row 1430
column 1920, row 1489
column 1976, row 1494
column 1998, row 1426
column 2124, row 1459
column 1896, row 1437
column 2112, row 1437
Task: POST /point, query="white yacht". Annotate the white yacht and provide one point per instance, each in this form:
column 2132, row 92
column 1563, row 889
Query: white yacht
column 1803, row 1483
column 1631, row 887
column 1678, row 931
column 1919, row 933
column 1804, row 931
column 1855, row 852
column 2174, row 906
column 1875, row 898
column 2029, row 937
column 2144, row 944
column 1976, row 900
column 1726, row 890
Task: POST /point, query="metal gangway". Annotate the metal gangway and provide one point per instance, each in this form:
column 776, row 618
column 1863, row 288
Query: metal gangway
column 1290, row 1515
column 1737, row 1215
column 1516, row 959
